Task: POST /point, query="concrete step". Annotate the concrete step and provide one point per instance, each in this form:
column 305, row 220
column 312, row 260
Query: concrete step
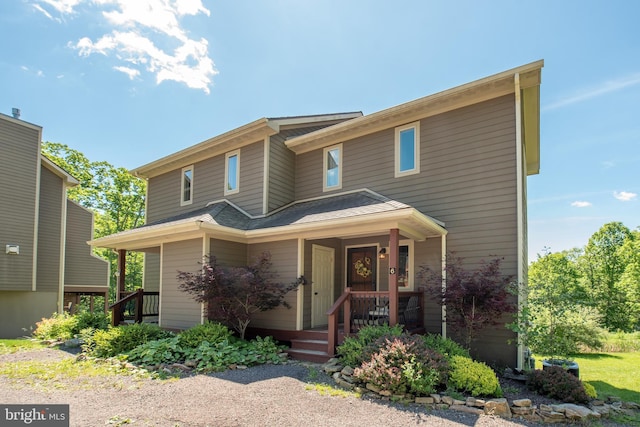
column 309, row 355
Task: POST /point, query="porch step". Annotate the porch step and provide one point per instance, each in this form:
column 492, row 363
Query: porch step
column 312, row 349
column 309, row 355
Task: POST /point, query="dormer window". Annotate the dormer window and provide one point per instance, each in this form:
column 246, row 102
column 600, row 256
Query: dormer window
column 407, row 148
column 186, row 191
column 232, row 172
column 332, row 179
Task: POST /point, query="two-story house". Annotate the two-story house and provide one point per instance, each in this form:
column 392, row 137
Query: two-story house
column 354, row 203
column 44, row 257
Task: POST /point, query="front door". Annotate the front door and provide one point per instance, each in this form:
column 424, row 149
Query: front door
column 322, row 281
column 361, row 268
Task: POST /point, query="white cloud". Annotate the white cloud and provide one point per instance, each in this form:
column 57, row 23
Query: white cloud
column 624, row 196
column 147, row 35
column 61, row 6
column 602, row 89
column 132, row 73
column 581, row 204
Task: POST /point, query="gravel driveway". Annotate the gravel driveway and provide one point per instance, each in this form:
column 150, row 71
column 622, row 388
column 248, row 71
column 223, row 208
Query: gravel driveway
column 268, row 395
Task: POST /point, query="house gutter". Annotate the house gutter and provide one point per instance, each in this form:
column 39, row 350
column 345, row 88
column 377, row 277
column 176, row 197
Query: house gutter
column 520, row 174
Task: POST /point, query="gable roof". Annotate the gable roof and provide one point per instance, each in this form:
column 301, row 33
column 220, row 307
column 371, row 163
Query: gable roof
column 235, row 138
column 346, row 214
column 528, row 80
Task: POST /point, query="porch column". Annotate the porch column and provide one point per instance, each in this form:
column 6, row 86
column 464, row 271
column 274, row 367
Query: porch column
column 122, row 262
column 394, row 255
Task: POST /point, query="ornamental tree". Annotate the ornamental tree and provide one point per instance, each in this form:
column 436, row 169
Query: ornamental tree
column 474, row 298
column 233, row 295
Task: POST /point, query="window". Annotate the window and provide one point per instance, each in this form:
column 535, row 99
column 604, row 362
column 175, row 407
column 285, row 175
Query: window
column 405, row 265
column 332, row 167
column 407, row 147
column 232, row 172
column 186, row 190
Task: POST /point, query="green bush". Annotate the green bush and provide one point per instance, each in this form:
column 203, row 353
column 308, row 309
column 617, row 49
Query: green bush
column 165, row 350
column 211, row 332
column 219, row 356
column 351, row 350
column 59, row 326
column 557, row 383
column 590, row 390
column 621, row 342
column 473, row 377
column 445, row 346
column 87, row 319
column 122, row 339
column 403, row 364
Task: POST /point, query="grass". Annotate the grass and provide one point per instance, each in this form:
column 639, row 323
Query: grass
column 21, row 344
column 327, row 390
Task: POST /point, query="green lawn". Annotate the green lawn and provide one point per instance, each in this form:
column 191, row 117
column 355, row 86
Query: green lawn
column 612, row 374
column 11, row 346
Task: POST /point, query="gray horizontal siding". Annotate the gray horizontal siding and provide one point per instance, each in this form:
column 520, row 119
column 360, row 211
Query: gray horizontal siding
column 178, row 310
column 284, row 256
column 19, row 163
column 151, row 277
column 49, row 231
column 281, row 173
column 20, row 311
column 82, row 268
column 228, row 254
column 164, row 194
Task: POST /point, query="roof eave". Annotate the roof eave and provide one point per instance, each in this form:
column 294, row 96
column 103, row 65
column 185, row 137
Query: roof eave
column 480, row 90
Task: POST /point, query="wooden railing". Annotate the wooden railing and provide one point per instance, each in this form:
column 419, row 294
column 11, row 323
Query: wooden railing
column 363, row 308
column 135, row 307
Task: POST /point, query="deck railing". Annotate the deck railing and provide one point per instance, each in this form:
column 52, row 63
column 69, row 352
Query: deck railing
column 356, row 309
column 135, row 307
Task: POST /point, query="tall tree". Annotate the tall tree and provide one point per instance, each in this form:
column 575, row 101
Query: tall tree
column 116, row 197
column 602, row 266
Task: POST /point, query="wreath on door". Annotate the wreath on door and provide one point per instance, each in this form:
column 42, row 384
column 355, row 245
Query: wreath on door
column 361, row 267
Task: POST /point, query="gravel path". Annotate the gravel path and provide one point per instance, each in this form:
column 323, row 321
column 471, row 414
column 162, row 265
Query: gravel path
column 269, row 395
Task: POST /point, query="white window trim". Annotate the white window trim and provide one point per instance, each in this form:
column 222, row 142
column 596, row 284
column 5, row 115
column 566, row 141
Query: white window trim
column 184, row 202
column 324, row 168
column 226, row 172
column 416, row 150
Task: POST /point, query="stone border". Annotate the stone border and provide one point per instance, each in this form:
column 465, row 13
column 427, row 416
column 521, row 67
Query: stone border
column 501, row 407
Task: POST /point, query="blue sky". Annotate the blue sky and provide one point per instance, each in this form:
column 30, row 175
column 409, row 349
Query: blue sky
column 131, row 81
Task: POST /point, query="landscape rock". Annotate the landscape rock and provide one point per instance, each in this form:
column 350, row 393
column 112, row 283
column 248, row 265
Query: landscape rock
column 467, row 409
column 498, row 407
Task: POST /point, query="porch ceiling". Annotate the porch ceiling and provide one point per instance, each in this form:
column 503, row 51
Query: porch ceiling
column 345, row 215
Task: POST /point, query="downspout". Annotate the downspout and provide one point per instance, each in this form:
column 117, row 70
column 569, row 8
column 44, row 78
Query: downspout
column 300, row 290
column 443, row 249
column 63, row 246
column 520, row 211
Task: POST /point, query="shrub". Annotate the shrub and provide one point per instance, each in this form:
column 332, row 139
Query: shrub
column 557, row 383
column 87, row 319
column 211, row 332
column 351, row 350
column 403, row 364
column 219, row 356
column 473, row 377
column 590, row 390
column 445, row 346
column 122, row 339
column 60, row 326
column 165, row 350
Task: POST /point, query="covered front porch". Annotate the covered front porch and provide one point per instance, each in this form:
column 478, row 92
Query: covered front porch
column 358, row 252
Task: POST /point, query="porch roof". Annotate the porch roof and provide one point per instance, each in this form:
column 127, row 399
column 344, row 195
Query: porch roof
column 349, row 214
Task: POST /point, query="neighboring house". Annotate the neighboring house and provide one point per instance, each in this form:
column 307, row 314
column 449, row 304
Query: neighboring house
column 45, row 262
column 353, row 203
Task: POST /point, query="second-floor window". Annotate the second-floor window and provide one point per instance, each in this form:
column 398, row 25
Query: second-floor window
column 186, row 190
column 332, row 179
column 232, row 172
column 407, row 149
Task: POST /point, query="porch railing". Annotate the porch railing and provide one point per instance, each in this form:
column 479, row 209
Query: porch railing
column 356, row 309
column 135, row 307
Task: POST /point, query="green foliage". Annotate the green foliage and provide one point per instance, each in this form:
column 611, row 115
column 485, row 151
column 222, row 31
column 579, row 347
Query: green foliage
column 351, row 350
column 60, row 326
column 557, row 383
column 557, row 320
column 475, row 297
column 234, row 295
column 404, row 364
column 607, row 256
column 445, row 346
column 621, row 342
column 122, row 339
column 590, row 390
column 165, row 350
column 116, row 197
column 211, row 332
column 473, row 377
column 97, row 320
column 223, row 354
